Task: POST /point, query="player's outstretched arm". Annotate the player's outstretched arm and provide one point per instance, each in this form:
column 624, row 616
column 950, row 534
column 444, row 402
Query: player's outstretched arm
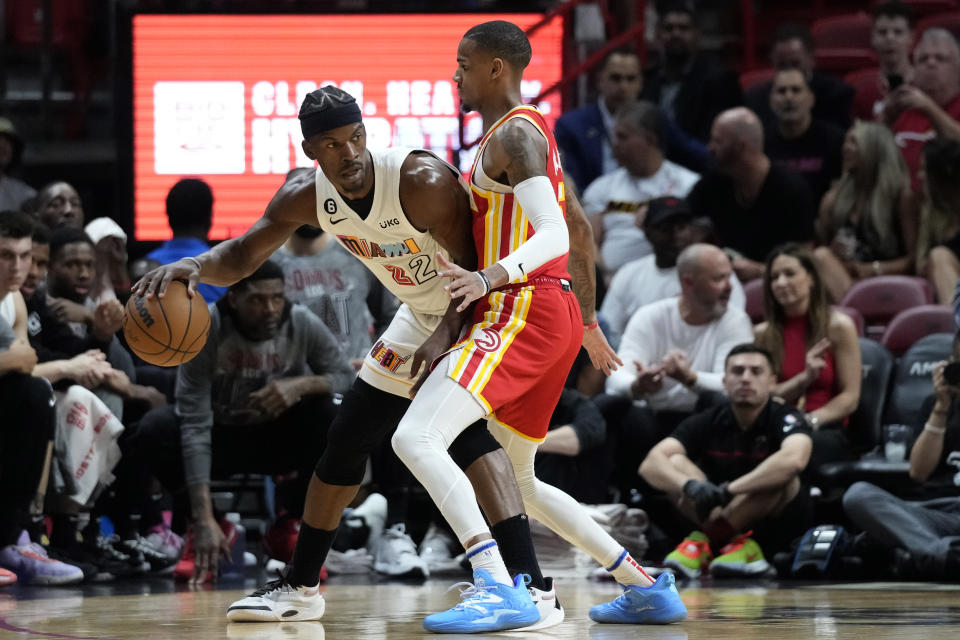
column 234, row 259
column 581, row 265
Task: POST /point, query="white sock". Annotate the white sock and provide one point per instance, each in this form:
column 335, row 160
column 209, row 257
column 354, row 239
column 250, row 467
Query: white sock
column 486, row 555
column 627, row 571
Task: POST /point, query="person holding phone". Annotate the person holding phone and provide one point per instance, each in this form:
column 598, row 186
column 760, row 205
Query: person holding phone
column 922, row 537
column 891, row 38
column 815, row 350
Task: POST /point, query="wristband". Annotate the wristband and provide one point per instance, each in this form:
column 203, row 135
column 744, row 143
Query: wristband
column 486, row 282
column 195, row 261
column 937, row 430
column 588, row 327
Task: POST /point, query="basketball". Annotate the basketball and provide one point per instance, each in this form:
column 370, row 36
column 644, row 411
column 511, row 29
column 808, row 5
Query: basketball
column 167, row 331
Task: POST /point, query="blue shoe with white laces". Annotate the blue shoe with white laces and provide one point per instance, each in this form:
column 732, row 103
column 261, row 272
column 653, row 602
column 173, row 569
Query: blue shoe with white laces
column 487, row 605
column 657, row 604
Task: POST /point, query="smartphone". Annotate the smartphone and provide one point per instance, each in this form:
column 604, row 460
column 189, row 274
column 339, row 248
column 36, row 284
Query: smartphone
column 894, row 80
column 951, row 373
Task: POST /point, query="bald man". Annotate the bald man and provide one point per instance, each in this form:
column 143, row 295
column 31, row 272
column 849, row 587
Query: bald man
column 753, row 204
column 930, row 105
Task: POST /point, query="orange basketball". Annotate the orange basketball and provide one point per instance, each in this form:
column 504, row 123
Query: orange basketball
column 167, row 331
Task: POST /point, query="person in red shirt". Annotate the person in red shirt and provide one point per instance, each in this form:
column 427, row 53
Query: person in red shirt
column 892, row 39
column 930, row 105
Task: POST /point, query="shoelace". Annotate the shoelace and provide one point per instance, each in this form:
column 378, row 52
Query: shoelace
column 281, row 583
column 736, row 543
column 470, row 592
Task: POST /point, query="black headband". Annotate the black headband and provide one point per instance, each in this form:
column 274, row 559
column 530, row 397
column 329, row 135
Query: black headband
column 338, row 116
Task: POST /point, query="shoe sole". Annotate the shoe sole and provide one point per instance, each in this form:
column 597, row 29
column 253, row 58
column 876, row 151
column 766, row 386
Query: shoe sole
column 269, row 615
column 739, row 569
column 55, row 580
column 553, row 618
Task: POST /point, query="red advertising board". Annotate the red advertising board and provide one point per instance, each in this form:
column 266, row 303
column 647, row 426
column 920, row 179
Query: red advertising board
column 217, row 97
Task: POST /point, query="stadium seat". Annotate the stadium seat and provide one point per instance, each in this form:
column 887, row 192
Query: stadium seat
column 753, row 291
column 751, row 79
column 881, row 298
column 863, row 78
column 949, row 21
column 843, row 31
column 912, row 381
column 866, row 423
column 910, row 325
column 923, row 8
column 843, row 60
column 855, row 315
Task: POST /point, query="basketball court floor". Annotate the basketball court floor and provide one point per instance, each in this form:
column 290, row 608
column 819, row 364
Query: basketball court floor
column 364, row 607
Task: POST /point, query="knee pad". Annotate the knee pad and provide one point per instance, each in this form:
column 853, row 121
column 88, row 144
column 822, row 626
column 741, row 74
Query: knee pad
column 365, row 417
column 474, row 442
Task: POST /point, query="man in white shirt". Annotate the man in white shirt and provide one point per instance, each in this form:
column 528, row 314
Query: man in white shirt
column 673, row 353
column 613, row 201
column 670, row 228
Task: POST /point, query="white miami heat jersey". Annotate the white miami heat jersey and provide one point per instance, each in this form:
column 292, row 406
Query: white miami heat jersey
column 400, row 256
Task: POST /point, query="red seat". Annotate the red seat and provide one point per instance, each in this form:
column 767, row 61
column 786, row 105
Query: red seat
column 915, row 323
column 843, row 60
column 849, row 31
column 881, row 298
column 855, row 315
column 922, row 8
column 949, row 21
column 863, row 78
column 751, row 79
column 753, row 291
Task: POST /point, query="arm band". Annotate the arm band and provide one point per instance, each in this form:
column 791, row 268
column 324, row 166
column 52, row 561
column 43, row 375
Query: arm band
column 539, row 203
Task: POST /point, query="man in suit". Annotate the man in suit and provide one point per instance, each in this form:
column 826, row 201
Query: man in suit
column 584, row 135
column 690, row 88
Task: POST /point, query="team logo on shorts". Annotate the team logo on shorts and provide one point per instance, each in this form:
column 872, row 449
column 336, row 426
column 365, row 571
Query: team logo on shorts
column 387, row 357
column 488, row 341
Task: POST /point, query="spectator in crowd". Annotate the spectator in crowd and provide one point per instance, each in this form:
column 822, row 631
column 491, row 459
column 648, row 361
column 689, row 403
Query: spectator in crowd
column 673, row 352
column 734, row 471
column 689, row 88
column 923, row 536
column 868, row 221
column 110, row 244
column 585, row 135
column 792, row 48
column 670, row 228
column 265, row 378
column 754, row 205
column 930, row 105
column 13, row 192
column 319, row 274
column 59, row 203
column 798, row 141
column 28, row 423
column 572, row 456
column 815, row 351
column 190, row 215
column 938, row 245
column 613, row 200
column 892, row 39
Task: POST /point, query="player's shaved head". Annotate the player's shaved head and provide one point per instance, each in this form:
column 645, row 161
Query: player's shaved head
column 502, row 39
column 744, row 125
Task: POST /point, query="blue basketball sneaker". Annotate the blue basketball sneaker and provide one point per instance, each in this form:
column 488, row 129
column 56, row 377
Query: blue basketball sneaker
column 487, row 606
column 657, row 604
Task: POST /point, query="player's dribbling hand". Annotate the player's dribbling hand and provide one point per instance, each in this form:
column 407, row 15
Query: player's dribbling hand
column 156, row 281
column 602, row 355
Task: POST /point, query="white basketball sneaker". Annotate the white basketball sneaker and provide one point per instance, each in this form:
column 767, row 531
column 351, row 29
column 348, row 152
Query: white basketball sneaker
column 551, row 612
column 278, row 601
column 397, row 555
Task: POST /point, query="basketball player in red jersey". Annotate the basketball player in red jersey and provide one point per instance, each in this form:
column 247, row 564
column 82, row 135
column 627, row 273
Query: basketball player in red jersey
column 511, row 365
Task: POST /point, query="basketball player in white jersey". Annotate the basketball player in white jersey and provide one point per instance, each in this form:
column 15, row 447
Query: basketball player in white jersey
column 395, row 210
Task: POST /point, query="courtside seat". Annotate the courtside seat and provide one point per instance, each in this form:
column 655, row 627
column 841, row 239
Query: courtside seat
column 880, row 298
column 753, row 291
column 949, row 21
column 913, row 379
column 751, row 79
column 910, row 325
column 854, row 315
column 848, row 31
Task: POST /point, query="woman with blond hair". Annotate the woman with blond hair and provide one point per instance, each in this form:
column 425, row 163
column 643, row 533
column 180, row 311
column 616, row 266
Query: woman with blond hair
column 938, row 246
column 815, row 350
column 867, row 223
